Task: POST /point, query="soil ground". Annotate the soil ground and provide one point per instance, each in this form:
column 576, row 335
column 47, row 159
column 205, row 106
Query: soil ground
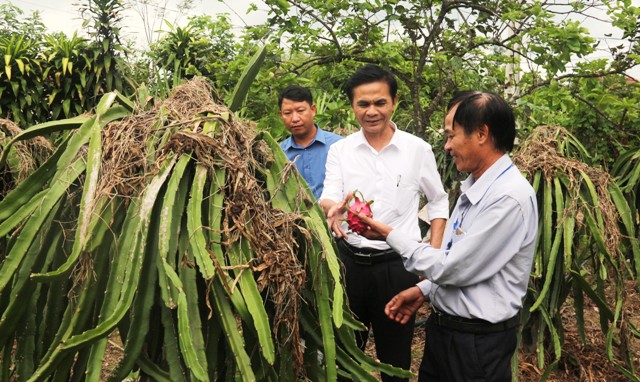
column 583, row 363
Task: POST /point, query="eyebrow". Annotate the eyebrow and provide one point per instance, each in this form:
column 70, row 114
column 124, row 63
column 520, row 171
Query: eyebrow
column 292, row 109
column 380, row 101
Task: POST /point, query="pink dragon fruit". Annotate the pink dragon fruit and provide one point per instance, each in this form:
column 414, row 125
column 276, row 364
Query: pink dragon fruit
column 358, row 206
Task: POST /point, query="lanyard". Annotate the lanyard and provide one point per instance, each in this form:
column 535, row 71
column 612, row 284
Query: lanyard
column 457, row 225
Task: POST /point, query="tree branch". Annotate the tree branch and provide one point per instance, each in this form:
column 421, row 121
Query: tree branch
column 334, row 38
column 571, row 75
column 595, row 108
column 322, row 60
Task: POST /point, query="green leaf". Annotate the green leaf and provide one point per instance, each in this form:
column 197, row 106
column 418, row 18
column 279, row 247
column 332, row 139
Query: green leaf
column 65, row 63
column 248, row 75
column 107, row 62
column 32, row 226
column 20, row 65
column 599, row 300
column 66, row 107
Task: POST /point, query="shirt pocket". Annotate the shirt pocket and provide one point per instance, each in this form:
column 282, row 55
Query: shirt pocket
column 404, row 199
column 457, row 235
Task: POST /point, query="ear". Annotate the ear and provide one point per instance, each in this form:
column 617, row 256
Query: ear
column 313, row 109
column 483, row 134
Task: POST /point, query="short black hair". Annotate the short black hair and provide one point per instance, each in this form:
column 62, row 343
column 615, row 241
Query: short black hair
column 368, row 74
column 460, row 96
column 483, row 108
column 295, row 93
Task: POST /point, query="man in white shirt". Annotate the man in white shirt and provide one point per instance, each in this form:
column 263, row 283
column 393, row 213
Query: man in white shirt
column 477, row 280
column 392, row 168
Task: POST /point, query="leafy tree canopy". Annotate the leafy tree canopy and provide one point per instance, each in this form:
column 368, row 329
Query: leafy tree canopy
column 520, row 49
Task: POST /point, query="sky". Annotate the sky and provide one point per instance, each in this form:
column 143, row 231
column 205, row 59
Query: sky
column 62, row 15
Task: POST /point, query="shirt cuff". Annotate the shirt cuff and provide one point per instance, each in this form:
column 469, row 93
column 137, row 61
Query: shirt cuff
column 425, row 287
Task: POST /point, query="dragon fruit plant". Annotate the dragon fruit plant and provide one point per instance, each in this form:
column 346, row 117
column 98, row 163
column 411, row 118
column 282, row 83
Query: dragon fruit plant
column 358, row 205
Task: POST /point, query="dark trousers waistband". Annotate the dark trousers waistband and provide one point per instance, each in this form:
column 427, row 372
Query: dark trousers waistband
column 469, row 325
column 366, row 256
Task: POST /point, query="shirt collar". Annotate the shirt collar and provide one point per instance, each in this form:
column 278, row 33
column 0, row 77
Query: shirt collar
column 395, row 138
column 360, row 140
column 320, row 137
column 474, row 189
column 287, row 143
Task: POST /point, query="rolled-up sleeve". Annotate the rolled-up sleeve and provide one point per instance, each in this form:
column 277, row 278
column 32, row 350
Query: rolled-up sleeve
column 333, row 184
column 431, row 186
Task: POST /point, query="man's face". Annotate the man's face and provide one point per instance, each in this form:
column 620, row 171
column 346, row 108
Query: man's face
column 373, row 106
column 463, row 148
column 298, row 117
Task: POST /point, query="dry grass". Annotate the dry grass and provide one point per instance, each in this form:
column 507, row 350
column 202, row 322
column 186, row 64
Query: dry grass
column 30, row 154
column 541, row 152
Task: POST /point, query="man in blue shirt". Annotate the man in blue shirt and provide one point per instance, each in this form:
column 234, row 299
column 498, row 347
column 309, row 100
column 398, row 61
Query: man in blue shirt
column 477, row 280
column 308, row 145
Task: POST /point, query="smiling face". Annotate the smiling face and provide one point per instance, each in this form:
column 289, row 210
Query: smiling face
column 373, row 106
column 298, row 119
column 462, row 147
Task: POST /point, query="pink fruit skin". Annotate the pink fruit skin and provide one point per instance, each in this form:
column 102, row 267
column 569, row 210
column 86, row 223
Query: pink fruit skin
column 362, row 207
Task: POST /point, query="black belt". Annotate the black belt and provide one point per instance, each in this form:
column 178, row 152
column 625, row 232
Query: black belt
column 469, row 325
column 366, row 256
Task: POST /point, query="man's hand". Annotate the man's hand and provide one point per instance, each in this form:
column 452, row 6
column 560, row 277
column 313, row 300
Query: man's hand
column 375, row 230
column 335, row 213
column 404, row 305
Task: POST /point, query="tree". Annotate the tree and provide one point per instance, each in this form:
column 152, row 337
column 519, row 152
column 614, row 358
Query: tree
column 438, row 46
column 52, row 76
column 11, row 22
column 103, row 18
column 204, row 47
column 21, row 89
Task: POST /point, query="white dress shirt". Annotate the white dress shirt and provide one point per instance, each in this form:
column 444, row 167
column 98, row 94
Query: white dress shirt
column 393, row 178
column 482, row 270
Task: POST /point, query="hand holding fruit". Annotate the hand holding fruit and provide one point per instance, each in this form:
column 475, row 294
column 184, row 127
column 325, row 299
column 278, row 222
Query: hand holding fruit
column 360, row 218
column 374, row 229
column 334, row 217
column 355, row 208
column 335, row 214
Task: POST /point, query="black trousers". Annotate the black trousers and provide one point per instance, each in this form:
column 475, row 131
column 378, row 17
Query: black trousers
column 454, row 356
column 369, row 288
